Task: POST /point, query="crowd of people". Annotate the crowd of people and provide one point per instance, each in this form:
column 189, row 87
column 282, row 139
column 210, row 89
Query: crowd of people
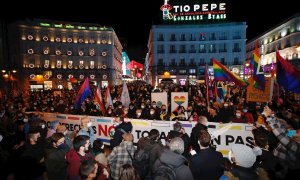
column 32, row 150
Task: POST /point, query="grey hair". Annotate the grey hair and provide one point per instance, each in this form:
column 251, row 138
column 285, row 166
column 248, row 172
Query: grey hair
column 202, row 120
column 177, row 145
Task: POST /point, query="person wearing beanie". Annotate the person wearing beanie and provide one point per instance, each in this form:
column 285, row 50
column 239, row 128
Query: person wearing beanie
column 243, row 158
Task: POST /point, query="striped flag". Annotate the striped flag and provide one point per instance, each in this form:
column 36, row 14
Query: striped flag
column 287, row 75
column 98, row 99
column 125, row 98
column 221, row 73
column 258, row 74
column 83, row 93
column 108, row 100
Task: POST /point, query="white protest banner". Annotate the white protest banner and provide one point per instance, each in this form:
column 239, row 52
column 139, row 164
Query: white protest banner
column 223, row 135
column 160, row 98
column 179, row 99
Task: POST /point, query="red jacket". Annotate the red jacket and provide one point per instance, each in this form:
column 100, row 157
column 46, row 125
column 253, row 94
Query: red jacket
column 74, row 161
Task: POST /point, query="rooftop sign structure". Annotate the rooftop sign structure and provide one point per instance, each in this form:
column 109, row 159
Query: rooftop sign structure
column 179, row 11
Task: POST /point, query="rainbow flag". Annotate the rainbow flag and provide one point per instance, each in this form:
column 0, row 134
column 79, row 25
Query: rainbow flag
column 98, row 99
column 287, row 75
column 221, row 73
column 258, row 74
column 83, row 93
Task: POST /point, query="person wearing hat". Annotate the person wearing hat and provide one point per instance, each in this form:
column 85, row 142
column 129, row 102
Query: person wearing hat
column 243, row 158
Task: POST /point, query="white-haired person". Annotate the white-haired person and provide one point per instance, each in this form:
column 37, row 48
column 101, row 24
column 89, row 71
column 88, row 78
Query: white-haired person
column 87, row 128
column 173, row 158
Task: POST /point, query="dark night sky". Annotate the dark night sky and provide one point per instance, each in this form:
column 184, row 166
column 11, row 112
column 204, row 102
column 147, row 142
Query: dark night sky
column 132, row 20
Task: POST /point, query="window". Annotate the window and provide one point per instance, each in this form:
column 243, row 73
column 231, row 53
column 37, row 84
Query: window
column 92, row 64
column 182, row 37
column 70, row 63
column 182, row 61
column 202, row 48
column 222, row 61
column 81, row 62
column 172, row 49
column 212, row 36
column 182, row 71
column 160, row 62
column 201, row 61
column 212, row 48
column 160, row 37
column 173, row 63
column 173, row 37
column 237, row 35
column 160, row 49
column 47, row 62
column 192, row 49
column 192, row 62
column 236, row 47
column 202, row 37
column 222, row 47
column 193, row 37
column 223, row 36
column 236, row 61
column 182, row 49
column 192, row 71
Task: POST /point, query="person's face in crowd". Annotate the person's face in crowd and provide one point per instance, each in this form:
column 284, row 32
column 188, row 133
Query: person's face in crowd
column 163, row 108
column 84, row 122
column 289, row 114
column 36, row 137
column 238, row 113
column 143, row 105
column 59, row 142
column 138, row 112
column 125, row 110
column 118, row 120
column 152, row 111
column 226, row 105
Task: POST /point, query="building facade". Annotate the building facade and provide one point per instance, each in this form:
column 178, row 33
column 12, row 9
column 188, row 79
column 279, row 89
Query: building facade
column 185, row 50
column 51, row 55
column 285, row 37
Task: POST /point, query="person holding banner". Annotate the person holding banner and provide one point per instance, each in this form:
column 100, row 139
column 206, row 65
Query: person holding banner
column 121, row 127
column 87, row 128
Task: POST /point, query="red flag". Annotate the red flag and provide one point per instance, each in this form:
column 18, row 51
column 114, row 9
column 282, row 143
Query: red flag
column 98, row 99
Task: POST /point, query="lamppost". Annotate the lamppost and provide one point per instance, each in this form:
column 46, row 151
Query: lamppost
column 8, row 76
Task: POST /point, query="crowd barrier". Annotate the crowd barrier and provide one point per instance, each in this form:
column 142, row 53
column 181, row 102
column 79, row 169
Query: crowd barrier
column 224, row 135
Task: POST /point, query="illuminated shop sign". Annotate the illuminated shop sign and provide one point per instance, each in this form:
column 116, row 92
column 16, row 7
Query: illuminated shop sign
column 179, row 10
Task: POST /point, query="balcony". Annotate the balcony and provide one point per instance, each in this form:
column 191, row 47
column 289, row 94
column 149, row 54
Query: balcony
column 192, row 51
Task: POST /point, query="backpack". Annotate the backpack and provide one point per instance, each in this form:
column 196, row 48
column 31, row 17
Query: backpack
column 141, row 162
column 165, row 172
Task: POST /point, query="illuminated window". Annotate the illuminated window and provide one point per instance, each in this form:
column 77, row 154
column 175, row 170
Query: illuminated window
column 202, row 37
column 92, row 64
column 182, row 71
column 202, row 48
column 58, row 63
column 70, row 62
